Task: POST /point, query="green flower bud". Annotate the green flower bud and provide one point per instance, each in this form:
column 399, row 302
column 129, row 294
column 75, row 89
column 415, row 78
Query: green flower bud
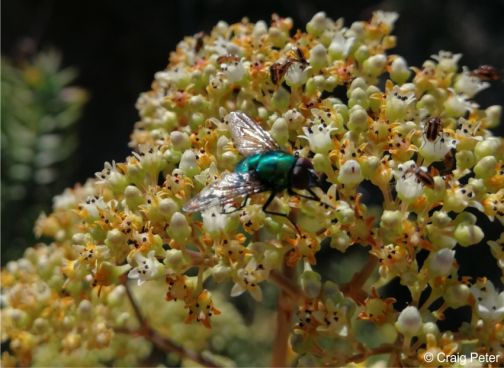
column 467, row 235
column 391, row 221
column 409, row 322
column 189, row 163
column 134, row 197
column 318, row 57
column 280, row 131
column 465, row 159
column 488, row 147
column 260, row 28
column 358, row 121
column 115, row 237
column 430, row 328
column 358, row 82
column 322, row 163
column 180, row 141
column 85, row 309
column 486, row 167
column 358, row 98
column 169, row 120
column 369, row 166
column 116, row 296
column 229, row 160
column 176, row 261
column 344, row 213
column 399, row 71
column 281, row 99
column 428, row 102
column 441, row 262
column 167, row 207
column 441, row 219
column 455, row 106
column 457, row 296
column 493, row 116
column 317, row 24
column 221, row 273
column 362, row 53
column 311, row 283
column 375, row 65
column 41, row 325
column 179, row 229
column 341, row 241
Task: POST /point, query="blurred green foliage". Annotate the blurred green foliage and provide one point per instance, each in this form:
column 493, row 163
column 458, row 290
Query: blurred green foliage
column 39, row 137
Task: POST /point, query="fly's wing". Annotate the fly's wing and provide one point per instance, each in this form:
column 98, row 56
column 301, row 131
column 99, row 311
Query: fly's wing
column 224, row 191
column 248, row 136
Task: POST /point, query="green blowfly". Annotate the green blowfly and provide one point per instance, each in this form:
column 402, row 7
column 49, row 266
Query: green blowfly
column 265, row 168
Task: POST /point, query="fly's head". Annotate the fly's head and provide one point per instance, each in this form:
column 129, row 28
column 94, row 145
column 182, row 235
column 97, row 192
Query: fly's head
column 304, row 175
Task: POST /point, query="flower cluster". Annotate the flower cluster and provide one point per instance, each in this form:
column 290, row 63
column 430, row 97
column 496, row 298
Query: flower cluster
column 365, row 119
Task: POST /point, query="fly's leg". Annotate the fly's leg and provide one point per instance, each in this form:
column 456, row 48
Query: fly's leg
column 265, row 210
column 243, row 204
column 313, row 197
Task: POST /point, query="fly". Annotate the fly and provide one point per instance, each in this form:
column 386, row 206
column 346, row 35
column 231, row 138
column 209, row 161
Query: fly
column 265, row 168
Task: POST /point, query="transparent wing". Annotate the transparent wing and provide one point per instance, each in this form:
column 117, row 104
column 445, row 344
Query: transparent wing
column 224, row 191
column 248, row 136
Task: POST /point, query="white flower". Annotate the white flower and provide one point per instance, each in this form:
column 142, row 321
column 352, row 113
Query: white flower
column 319, row 137
column 400, row 101
column 296, row 75
column 408, row 186
column 65, row 201
column 384, row 17
column 208, row 176
column 436, row 150
column 178, row 77
column 350, row 173
column 490, row 303
column 214, row 221
column 188, row 162
column 223, row 47
column 248, row 278
column 469, row 85
column 147, row 268
column 447, row 61
column 340, row 46
column 233, row 71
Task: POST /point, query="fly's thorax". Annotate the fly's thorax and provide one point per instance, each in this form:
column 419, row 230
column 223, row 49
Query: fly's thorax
column 272, row 168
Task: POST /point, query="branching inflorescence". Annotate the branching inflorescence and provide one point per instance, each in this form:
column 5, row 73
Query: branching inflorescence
column 362, row 117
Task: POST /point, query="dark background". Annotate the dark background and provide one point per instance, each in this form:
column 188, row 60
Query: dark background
column 117, row 46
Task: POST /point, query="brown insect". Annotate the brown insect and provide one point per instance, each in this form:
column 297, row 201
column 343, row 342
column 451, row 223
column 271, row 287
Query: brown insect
column 198, row 37
column 424, row 177
column 487, row 73
column 228, row 59
column 278, row 70
column 448, row 162
column 433, row 129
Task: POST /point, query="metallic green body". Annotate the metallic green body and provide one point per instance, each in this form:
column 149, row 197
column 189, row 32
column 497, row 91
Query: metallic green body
column 272, row 168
